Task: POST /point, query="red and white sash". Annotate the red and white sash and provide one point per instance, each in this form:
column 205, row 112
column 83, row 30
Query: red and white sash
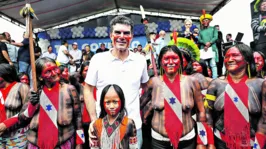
column 236, row 114
column 173, row 109
column 48, row 129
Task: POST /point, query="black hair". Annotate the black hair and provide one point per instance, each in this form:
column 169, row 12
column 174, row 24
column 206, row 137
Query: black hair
column 204, row 67
column 49, row 46
column 189, row 68
column 40, row 62
column 86, row 63
column 263, row 56
column 216, row 26
column 8, row 73
column 120, row 94
column 247, row 53
column 121, row 20
column 170, row 48
column 21, row 74
column 62, row 68
column 229, row 35
column 63, row 42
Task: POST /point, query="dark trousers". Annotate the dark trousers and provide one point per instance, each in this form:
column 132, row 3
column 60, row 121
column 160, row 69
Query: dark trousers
column 86, row 145
column 187, row 144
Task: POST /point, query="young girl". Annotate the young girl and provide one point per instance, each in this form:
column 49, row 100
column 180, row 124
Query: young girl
column 113, row 129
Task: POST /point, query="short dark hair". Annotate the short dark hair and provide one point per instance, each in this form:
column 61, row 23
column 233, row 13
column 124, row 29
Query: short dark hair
column 63, row 42
column 121, row 20
column 229, row 35
column 120, row 94
column 216, row 26
column 140, row 45
column 8, row 73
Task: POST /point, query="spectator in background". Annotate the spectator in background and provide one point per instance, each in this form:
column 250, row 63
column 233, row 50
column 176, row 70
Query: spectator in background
column 63, row 55
column 160, row 42
column 88, row 54
column 219, row 43
column 24, row 78
column 139, row 48
column 49, row 53
column 12, row 50
column 77, row 55
column 102, row 48
column 4, row 57
column 23, row 55
column 37, row 51
column 229, row 38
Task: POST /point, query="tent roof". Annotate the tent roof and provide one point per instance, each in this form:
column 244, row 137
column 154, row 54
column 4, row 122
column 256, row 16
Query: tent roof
column 56, row 12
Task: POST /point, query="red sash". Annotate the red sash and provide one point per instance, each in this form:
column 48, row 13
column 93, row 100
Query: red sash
column 4, row 93
column 173, row 110
column 236, row 115
column 48, row 129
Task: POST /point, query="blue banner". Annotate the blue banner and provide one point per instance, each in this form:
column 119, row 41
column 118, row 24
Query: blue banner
column 95, row 43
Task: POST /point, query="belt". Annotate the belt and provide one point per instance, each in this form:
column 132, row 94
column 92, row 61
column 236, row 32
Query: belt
column 157, row 136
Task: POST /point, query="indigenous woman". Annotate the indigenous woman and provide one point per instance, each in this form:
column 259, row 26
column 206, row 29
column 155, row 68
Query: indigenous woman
column 57, row 121
column 172, row 123
column 24, row 78
column 13, row 97
column 234, row 105
column 260, row 63
column 64, row 74
column 113, row 129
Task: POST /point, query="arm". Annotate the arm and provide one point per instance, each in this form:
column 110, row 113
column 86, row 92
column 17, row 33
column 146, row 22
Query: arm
column 198, row 100
column 255, row 25
column 17, row 44
column 80, row 139
column 90, row 101
column 215, row 36
column 261, row 131
column 67, row 53
column 6, row 56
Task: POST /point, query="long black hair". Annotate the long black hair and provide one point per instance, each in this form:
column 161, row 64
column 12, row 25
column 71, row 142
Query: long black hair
column 39, row 67
column 170, row 48
column 120, row 94
column 204, row 67
column 8, row 73
column 86, row 63
column 264, row 67
column 248, row 56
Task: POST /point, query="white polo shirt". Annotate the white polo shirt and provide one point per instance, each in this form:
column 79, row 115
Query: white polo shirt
column 61, row 57
column 106, row 69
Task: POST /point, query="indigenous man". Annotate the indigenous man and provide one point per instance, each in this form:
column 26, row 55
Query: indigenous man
column 207, row 39
column 234, row 105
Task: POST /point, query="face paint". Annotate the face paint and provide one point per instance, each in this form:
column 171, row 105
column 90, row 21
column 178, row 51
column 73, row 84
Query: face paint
column 233, row 60
column 112, row 102
column 259, row 61
column 121, row 36
column 170, row 62
column 50, row 72
column 184, row 62
column 206, row 22
column 65, row 74
column 24, row 79
column 84, row 72
column 197, row 67
column 209, row 72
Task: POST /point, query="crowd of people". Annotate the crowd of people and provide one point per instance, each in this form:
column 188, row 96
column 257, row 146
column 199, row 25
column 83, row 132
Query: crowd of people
column 119, row 98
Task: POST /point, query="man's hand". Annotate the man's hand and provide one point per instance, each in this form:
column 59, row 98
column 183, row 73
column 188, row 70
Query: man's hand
column 206, row 48
column 2, row 128
column 11, row 64
column 208, row 44
column 91, row 133
column 79, row 146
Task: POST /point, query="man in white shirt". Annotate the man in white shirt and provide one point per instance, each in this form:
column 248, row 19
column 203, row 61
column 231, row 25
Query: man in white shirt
column 63, row 55
column 160, row 42
column 118, row 66
column 49, row 53
column 76, row 54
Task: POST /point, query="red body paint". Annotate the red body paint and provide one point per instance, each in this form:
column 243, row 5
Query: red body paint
column 24, row 79
column 170, row 62
column 234, row 60
column 197, row 67
column 259, row 61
